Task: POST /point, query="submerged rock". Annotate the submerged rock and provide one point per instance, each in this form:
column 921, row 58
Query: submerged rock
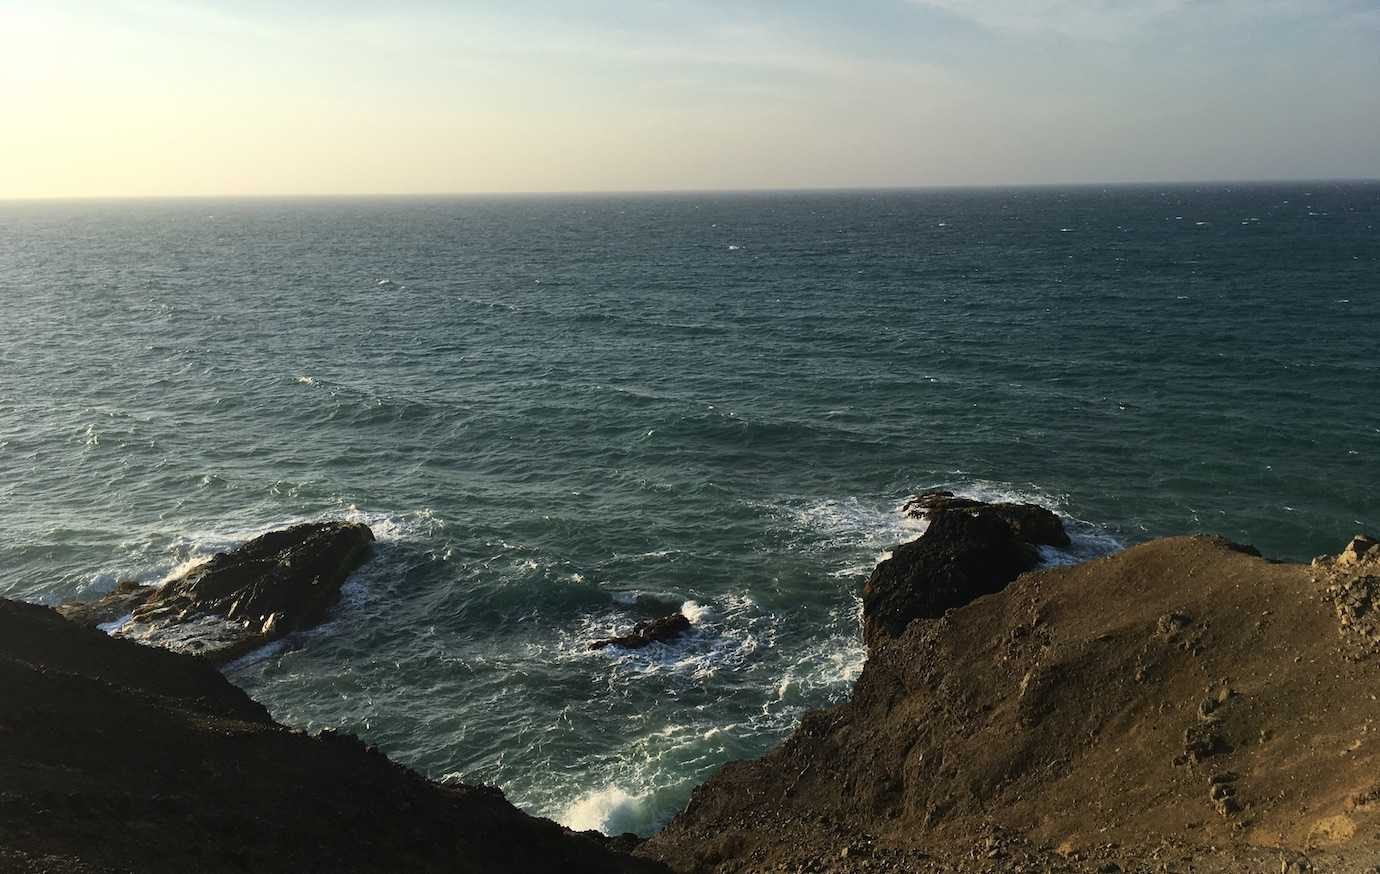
column 660, row 630
column 277, row 583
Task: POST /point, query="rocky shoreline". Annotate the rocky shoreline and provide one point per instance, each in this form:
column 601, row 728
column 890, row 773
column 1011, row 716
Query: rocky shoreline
column 1183, row 706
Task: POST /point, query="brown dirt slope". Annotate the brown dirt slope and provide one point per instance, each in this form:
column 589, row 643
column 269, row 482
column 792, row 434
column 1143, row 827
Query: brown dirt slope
column 1181, row 706
column 121, row 757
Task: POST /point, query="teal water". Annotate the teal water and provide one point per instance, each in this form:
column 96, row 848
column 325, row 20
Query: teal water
column 564, row 414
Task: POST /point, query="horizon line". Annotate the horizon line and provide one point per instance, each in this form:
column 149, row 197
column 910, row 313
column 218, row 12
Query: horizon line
column 655, row 192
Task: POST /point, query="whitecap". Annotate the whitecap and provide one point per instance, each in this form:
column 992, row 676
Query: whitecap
column 610, row 810
column 695, row 612
column 185, row 567
column 409, row 525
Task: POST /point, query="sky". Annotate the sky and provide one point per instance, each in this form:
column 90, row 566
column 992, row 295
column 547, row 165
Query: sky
column 262, row 97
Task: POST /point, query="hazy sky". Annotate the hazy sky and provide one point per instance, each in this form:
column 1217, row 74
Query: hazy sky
column 128, row 97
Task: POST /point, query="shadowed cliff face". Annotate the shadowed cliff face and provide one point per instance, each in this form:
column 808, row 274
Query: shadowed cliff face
column 1181, row 706
column 116, row 756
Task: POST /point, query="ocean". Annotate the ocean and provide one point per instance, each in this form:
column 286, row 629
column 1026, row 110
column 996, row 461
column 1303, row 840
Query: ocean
column 561, row 415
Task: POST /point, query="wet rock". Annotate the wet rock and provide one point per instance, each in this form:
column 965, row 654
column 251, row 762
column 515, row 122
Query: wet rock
column 117, row 604
column 272, row 585
column 1029, row 522
column 959, row 558
column 661, row 630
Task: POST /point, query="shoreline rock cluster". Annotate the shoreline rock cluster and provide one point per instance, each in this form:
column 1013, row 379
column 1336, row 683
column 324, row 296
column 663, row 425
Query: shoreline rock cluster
column 1183, row 706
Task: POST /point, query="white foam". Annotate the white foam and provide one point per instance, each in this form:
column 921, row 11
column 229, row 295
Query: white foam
column 695, row 612
column 184, row 567
column 610, row 810
column 409, row 525
column 878, row 523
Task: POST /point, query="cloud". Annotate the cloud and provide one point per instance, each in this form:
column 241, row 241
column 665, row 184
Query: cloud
column 1119, row 19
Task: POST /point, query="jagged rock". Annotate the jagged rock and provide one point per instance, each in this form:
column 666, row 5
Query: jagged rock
column 960, row 557
column 1029, row 522
column 1351, row 581
column 117, row 604
column 660, row 630
column 277, row 583
column 1358, row 550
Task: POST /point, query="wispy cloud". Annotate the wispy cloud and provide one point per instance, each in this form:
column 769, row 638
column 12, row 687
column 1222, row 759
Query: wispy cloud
column 1118, row 19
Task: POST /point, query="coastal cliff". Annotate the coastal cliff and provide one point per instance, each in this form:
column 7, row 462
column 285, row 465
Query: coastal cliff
column 1183, row 706
column 121, row 757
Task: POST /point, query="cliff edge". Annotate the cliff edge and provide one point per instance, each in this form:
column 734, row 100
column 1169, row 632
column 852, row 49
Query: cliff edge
column 1183, row 706
column 121, row 757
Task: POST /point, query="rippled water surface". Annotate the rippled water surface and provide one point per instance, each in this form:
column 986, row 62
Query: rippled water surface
column 561, row 415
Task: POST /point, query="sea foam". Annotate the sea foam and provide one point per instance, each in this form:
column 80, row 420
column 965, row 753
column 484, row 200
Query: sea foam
column 610, row 810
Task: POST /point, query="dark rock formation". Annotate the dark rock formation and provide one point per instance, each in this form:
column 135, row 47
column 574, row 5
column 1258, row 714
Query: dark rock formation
column 970, row 549
column 1180, row 706
column 116, row 757
column 661, row 630
column 277, row 583
column 1029, row 522
column 117, row 604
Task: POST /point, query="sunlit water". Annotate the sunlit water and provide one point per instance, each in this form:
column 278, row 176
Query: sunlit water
column 561, row 415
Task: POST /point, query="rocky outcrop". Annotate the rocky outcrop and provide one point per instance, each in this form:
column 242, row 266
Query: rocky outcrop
column 1180, row 706
column 116, row 604
column 969, row 549
column 1351, row 581
column 116, row 757
column 1029, row 522
column 660, row 630
column 277, row 583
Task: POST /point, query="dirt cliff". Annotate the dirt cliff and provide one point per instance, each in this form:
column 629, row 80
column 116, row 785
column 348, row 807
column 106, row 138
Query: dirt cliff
column 1181, row 706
